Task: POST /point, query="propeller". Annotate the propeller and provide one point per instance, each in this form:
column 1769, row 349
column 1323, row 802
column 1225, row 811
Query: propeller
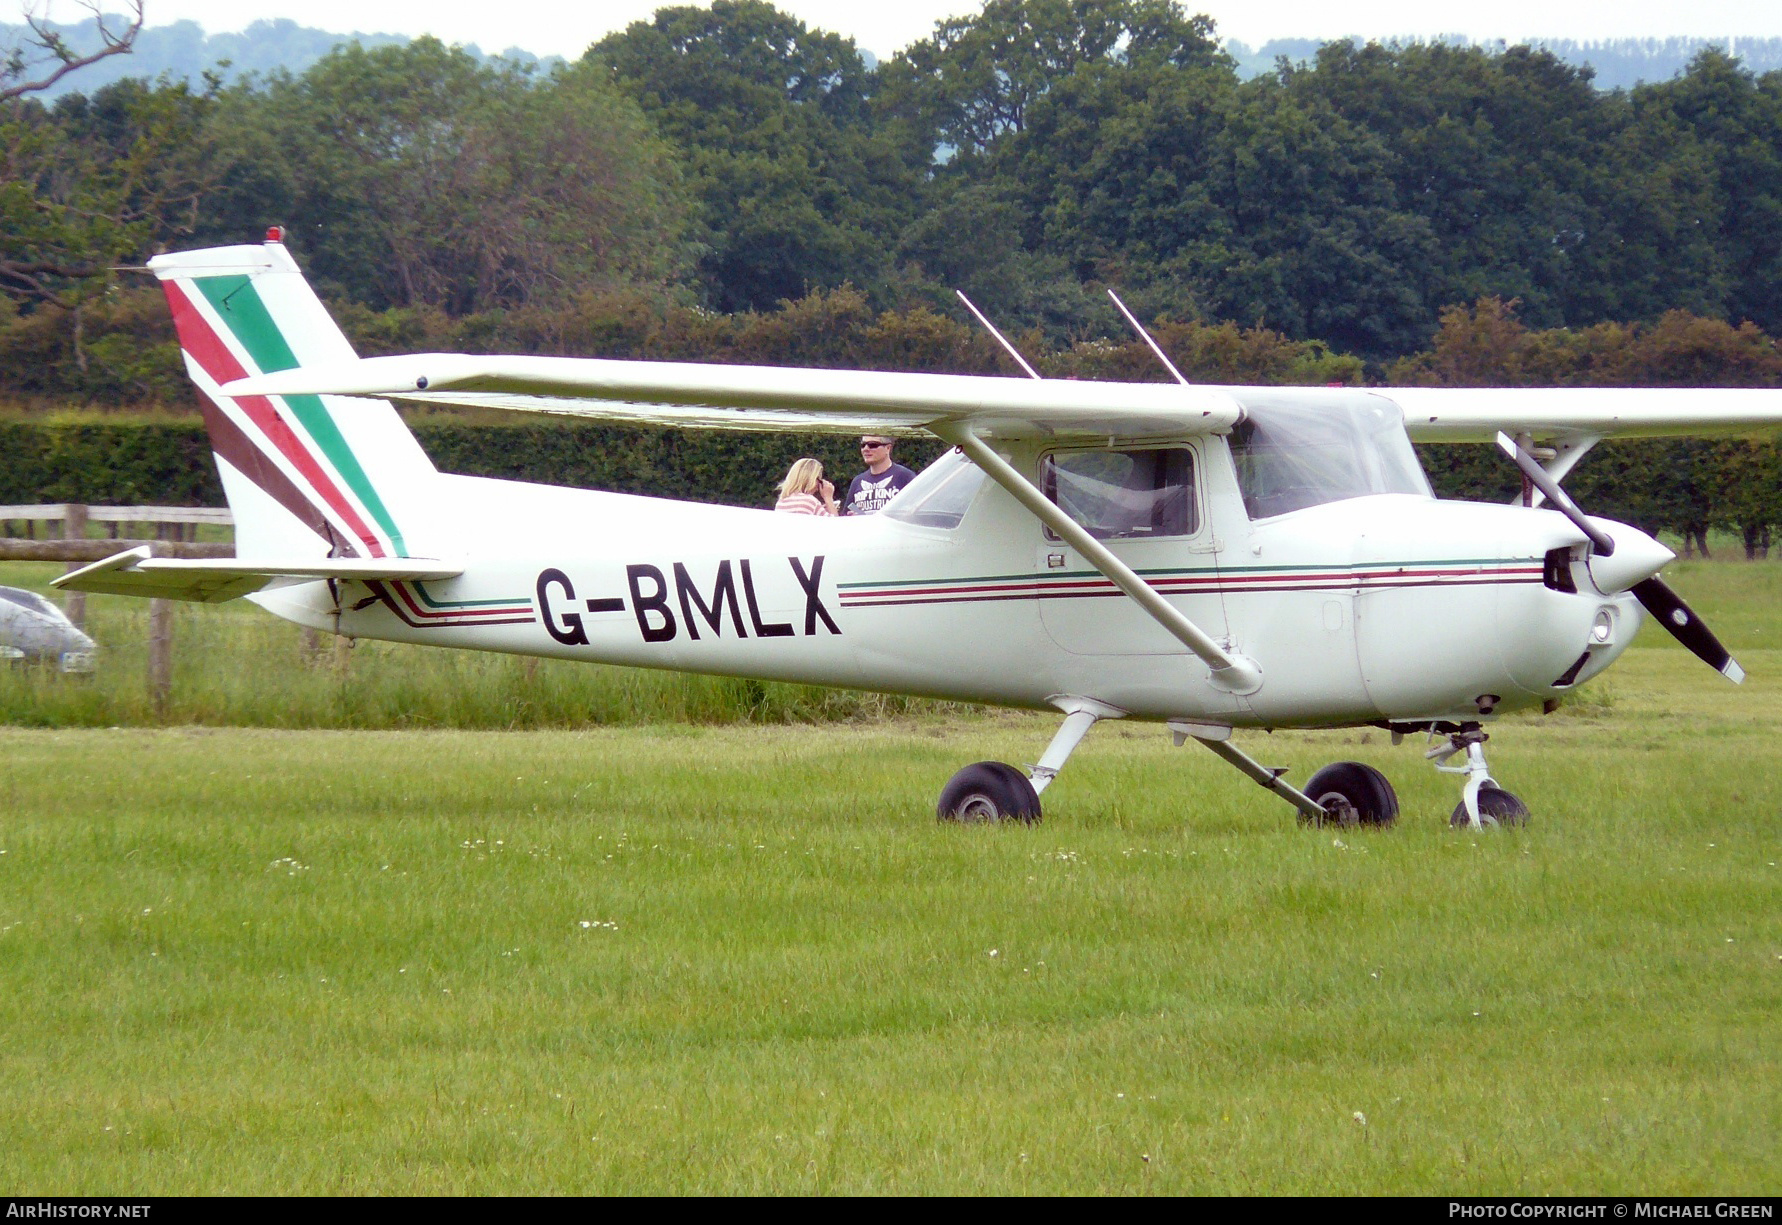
column 1680, row 619
column 1653, row 593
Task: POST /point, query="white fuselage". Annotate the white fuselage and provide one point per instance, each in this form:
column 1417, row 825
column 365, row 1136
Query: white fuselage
column 1390, row 607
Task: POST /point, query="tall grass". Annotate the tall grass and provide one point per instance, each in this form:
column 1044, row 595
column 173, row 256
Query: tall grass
column 235, row 665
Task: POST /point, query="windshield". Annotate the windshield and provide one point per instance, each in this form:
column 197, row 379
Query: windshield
column 1293, row 455
column 940, row 495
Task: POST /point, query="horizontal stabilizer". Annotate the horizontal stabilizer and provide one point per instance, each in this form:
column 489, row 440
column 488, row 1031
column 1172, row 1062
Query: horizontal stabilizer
column 212, row 580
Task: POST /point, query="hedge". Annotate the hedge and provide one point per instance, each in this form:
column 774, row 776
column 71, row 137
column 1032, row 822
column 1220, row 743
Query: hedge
column 107, row 463
column 126, row 463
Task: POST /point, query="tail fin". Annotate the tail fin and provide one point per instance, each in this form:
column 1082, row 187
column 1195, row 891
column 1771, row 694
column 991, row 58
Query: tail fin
column 320, row 476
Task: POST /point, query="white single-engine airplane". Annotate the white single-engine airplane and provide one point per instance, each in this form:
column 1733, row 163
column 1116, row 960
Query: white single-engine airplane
column 1210, row 558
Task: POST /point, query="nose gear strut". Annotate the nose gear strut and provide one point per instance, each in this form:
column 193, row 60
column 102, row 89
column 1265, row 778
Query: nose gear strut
column 1482, row 801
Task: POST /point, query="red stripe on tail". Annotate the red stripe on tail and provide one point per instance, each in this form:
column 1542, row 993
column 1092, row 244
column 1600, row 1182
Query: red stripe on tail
column 206, row 348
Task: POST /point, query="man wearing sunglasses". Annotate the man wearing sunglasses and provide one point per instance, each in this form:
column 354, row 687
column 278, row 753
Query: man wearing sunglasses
column 871, row 490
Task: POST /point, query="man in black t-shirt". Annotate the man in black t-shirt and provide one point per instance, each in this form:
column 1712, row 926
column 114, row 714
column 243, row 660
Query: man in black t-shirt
column 871, row 490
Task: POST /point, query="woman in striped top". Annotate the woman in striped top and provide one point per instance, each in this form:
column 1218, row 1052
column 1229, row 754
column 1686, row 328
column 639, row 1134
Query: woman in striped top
column 805, row 492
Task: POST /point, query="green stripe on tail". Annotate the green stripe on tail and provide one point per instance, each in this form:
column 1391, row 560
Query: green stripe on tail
column 240, row 306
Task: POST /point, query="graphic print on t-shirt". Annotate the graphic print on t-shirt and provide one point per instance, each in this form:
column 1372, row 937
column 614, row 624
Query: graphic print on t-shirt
column 868, row 494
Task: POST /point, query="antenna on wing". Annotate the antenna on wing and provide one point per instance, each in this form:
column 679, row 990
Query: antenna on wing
column 1155, row 348
column 1000, row 338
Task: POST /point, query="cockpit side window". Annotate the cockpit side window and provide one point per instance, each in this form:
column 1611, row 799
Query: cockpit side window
column 1124, row 495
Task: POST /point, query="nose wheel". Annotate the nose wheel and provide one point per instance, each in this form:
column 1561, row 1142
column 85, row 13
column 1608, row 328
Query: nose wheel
column 1482, row 801
column 1496, row 807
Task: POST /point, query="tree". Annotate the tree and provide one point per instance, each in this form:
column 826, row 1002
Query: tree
column 976, row 80
column 59, row 228
column 88, row 184
column 1735, row 121
column 1315, row 239
column 1747, row 492
column 1581, row 204
column 415, row 176
column 796, row 187
column 45, row 56
column 1063, row 139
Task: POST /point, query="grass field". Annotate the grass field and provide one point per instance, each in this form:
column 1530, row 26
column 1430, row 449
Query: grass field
column 744, row 958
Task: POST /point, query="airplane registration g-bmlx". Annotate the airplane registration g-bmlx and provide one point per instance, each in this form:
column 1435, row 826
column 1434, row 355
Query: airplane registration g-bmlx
column 1210, row 558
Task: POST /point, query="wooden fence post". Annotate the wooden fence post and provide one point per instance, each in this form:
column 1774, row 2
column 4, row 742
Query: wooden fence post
column 160, row 662
column 74, row 527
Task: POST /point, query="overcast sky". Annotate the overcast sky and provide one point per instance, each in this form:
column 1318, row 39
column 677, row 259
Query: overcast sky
column 551, row 27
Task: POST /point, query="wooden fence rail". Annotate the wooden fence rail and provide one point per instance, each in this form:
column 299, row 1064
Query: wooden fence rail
column 176, row 531
column 54, row 511
column 70, row 520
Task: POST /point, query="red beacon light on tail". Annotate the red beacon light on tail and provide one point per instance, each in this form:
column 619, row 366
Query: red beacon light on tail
column 275, row 233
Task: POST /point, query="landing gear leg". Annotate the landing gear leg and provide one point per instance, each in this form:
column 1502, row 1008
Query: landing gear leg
column 1076, row 725
column 997, row 791
column 1482, row 801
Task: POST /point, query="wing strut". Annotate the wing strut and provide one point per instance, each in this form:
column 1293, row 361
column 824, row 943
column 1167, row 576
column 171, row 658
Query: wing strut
column 1231, row 672
column 1564, row 457
column 1265, row 776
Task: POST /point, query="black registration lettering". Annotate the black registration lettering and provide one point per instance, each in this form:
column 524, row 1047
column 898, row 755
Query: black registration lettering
column 656, row 603
column 723, row 592
column 569, row 631
column 769, row 629
column 813, row 596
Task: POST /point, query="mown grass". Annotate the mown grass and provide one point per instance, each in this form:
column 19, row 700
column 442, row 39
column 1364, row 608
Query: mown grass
column 746, row 959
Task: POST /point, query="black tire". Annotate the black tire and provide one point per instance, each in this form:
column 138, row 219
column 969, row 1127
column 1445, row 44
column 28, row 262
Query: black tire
column 1496, row 807
column 1352, row 794
column 989, row 791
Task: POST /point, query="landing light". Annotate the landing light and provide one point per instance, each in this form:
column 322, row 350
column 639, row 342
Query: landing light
column 1603, row 629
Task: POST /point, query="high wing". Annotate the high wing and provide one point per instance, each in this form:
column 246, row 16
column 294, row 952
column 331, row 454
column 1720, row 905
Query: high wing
column 1446, row 414
column 773, row 397
column 212, row 580
column 769, row 397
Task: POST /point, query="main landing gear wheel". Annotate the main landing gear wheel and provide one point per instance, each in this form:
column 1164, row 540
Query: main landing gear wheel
column 1352, row 794
column 1496, row 807
column 989, row 791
